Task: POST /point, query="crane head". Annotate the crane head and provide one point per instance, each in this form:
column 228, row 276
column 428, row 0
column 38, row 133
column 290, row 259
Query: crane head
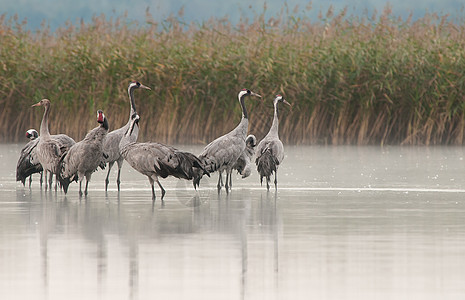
column 100, row 116
column 102, row 119
column 43, row 102
column 136, row 85
column 247, row 92
column 251, row 141
column 280, row 98
column 32, row 134
column 134, row 120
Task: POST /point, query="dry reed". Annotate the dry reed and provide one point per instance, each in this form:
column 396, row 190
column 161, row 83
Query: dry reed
column 352, row 80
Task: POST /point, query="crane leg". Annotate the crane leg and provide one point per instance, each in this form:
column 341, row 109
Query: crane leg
column 162, row 190
column 267, row 183
column 80, row 187
column 50, row 180
column 30, row 181
column 153, row 193
column 227, row 181
column 107, row 180
column 118, row 181
column 276, row 180
column 153, row 189
column 220, row 180
column 87, row 184
column 56, row 182
column 41, row 178
column 230, row 179
column 46, row 181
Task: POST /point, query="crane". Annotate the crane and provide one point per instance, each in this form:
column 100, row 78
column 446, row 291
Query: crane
column 84, row 157
column 222, row 153
column 28, row 163
column 270, row 150
column 111, row 142
column 243, row 163
column 157, row 160
column 50, row 148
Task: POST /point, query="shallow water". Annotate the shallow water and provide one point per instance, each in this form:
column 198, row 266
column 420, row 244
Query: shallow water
column 346, row 222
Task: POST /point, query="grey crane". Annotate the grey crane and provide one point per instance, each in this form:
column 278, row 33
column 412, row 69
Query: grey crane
column 243, row 163
column 157, row 160
column 222, row 153
column 270, row 150
column 112, row 140
column 50, row 148
column 28, row 163
column 84, row 157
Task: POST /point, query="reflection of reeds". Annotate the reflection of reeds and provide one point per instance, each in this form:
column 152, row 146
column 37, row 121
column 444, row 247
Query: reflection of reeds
column 352, row 80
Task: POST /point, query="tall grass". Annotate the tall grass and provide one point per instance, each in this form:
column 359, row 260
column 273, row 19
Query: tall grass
column 352, row 80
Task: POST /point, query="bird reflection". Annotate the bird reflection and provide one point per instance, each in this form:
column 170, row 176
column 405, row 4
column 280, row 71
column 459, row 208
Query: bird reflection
column 275, row 233
column 244, row 259
column 102, row 261
column 108, row 236
column 44, row 249
column 133, row 269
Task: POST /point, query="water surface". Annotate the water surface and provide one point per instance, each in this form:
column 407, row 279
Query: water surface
column 346, row 222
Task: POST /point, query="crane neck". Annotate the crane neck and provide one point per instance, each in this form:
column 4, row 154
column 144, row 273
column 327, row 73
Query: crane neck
column 126, row 139
column 104, row 124
column 98, row 133
column 275, row 125
column 130, row 136
column 132, row 100
column 44, row 132
column 243, row 127
column 244, row 110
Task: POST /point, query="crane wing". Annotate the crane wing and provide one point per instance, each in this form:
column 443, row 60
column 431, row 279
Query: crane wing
column 275, row 147
column 222, row 152
column 28, row 163
column 150, row 158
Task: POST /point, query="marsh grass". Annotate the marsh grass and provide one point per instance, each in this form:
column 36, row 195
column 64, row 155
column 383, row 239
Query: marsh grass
column 351, row 80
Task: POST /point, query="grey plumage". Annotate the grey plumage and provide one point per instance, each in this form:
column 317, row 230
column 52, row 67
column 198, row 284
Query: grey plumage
column 113, row 138
column 28, row 163
column 156, row 160
column 222, row 153
column 50, row 148
column 270, row 150
column 243, row 163
column 84, row 157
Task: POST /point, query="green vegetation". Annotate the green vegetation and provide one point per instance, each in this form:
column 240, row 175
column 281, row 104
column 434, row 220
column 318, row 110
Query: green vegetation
column 351, row 80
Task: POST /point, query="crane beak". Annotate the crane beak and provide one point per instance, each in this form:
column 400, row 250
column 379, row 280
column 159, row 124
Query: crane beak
column 37, row 104
column 255, row 94
column 145, row 87
column 284, row 101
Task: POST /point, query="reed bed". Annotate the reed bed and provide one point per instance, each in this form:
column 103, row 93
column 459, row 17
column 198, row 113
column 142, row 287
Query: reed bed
column 351, row 79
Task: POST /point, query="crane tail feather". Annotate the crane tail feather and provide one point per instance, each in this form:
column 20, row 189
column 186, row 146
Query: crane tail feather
column 63, row 179
column 188, row 167
column 266, row 165
column 26, row 165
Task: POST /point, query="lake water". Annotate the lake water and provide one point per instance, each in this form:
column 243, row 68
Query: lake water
column 346, row 223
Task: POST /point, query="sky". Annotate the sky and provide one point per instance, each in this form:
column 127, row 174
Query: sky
column 56, row 12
